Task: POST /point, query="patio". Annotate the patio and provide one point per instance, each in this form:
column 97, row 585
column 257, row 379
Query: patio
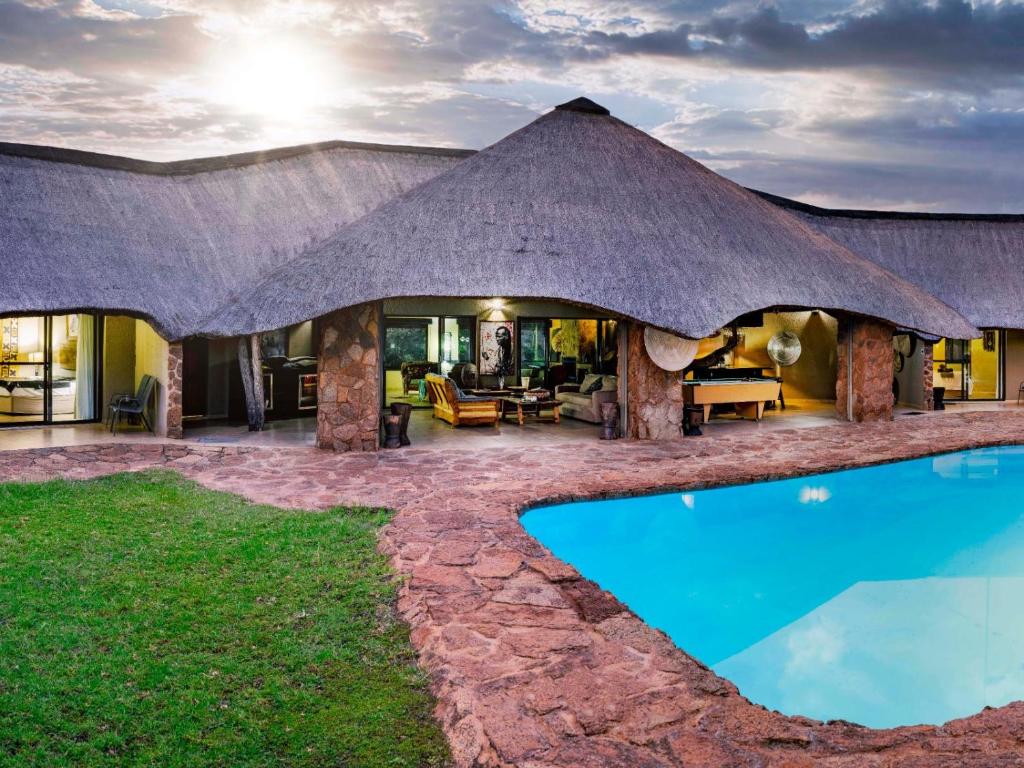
column 533, row 665
column 429, row 433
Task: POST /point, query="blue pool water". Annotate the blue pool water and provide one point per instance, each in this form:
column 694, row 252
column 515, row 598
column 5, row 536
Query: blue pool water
column 886, row 596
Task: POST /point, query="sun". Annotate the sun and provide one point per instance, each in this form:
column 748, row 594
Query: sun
column 279, row 79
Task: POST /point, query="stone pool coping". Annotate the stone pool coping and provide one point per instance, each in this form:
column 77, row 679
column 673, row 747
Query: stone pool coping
column 531, row 664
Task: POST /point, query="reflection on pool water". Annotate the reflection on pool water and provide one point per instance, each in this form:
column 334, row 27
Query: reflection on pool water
column 886, row 596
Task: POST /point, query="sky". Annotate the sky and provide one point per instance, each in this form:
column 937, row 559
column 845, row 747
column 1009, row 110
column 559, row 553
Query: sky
column 888, row 104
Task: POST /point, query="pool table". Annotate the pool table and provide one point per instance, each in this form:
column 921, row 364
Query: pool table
column 748, row 395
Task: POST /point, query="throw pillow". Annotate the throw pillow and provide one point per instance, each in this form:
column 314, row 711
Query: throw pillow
column 591, row 383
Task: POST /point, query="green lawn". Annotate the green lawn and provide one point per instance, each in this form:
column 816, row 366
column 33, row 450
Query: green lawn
column 147, row 621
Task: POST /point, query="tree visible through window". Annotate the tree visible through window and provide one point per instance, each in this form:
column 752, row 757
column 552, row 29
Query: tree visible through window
column 404, row 341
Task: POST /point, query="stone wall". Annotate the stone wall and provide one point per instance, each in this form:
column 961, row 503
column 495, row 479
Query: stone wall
column 872, row 370
column 654, row 397
column 928, row 373
column 175, row 356
column 348, row 414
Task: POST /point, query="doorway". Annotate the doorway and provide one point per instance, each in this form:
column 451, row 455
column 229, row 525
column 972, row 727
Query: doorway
column 50, row 369
column 970, row 369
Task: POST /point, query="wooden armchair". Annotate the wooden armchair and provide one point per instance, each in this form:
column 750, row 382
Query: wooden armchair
column 449, row 407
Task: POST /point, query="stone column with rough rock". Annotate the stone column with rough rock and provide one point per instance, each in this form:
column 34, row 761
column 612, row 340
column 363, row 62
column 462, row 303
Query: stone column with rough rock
column 349, row 408
column 654, row 397
column 175, row 356
column 928, row 374
column 864, row 349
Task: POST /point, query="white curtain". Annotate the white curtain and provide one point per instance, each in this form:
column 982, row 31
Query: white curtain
column 85, row 375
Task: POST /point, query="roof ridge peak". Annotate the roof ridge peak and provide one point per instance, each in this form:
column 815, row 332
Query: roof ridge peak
column 585, row 105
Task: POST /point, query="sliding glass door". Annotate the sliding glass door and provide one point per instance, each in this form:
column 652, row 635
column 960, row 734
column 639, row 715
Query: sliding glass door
column 970, row 369
column 533, row 350
column 457, row 341
column 49, row 369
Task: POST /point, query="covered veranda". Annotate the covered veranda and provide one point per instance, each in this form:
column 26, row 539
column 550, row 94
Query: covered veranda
column 429, row 434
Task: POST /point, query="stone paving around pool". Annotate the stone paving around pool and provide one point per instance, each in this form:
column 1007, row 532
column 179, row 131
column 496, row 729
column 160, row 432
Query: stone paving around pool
column 534, row 666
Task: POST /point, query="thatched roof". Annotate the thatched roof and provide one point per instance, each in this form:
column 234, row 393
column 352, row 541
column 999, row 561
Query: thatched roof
column 582, row 207
column 172, row 241
column 973, row 262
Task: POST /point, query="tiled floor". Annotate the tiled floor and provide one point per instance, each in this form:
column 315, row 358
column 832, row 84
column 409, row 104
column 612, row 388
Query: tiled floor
column 426, row 432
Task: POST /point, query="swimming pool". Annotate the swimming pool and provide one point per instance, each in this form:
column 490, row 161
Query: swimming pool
column 886, row 596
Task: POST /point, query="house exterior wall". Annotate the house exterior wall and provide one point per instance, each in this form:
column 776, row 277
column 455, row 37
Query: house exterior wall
column 151, row 353
column 348, row 418
column 654, row 397
column 162, row 361
column 865, row 370
column 118, row 359
column 915, row 379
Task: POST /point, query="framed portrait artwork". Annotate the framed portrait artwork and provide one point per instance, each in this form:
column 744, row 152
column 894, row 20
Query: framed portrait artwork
column 497, row 352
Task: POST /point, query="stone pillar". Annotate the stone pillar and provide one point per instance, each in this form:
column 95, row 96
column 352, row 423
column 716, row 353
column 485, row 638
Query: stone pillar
column 175, row 355
column 870, row 342
column 348, row 413
column 928, row 374
column 654, row 397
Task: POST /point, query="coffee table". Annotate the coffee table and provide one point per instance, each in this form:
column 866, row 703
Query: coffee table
column 522, row 409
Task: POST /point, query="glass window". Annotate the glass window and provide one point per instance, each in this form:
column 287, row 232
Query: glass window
column 533, row 344
column 23, row 370
column 984, row 379
column 457, row 340
column 405, row 340
column 969, row 369
column 48, row 368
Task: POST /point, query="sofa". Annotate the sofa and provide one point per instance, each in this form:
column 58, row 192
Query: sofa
column 583, row 401
column 451, row 405
column 413, row 371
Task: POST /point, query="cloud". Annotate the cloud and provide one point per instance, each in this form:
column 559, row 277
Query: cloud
column 951, row 42
column 80, row 38
column 889, row 103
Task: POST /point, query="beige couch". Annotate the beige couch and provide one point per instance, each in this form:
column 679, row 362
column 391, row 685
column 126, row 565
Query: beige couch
column 586, row 407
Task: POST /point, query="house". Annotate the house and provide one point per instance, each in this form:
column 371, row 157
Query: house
column 563, row 241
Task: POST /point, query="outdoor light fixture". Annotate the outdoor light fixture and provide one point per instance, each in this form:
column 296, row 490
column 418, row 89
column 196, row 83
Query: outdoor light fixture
column 497, row 303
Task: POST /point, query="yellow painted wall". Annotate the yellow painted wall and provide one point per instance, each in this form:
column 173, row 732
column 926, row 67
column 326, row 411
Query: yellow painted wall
column 151, row 358
column 984, row 370
column 118, row 357
column 813, row 377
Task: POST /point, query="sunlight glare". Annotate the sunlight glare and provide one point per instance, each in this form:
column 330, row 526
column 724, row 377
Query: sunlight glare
column 277, row 79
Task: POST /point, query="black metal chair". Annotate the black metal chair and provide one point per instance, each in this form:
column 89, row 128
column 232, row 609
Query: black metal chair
column 131, row 406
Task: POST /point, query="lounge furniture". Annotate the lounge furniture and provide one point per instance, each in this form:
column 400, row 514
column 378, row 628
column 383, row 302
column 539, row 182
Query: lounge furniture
column 132, row 406
column 457, row 408
column 1020, row 391
column 747, row 395
column 556, row 376
column 413, row 371
column 26, row 397
column 586, row 406
column 522, row 408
